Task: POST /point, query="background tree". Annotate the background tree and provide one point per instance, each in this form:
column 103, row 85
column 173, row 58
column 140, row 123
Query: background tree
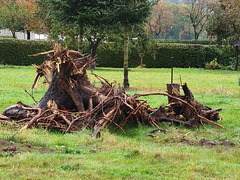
column 12, row 15
column 31, row 21
column 224, row 23
column 128, row 14
column 232, row 15
column 172, row 19
column 161, row 19
column 182, row 26
column 88, row 16
column 99, row 16
column 198, row 12
column 217, row 26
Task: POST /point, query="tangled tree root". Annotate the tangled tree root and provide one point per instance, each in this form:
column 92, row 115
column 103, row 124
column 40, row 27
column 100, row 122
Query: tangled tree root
column 72, row 103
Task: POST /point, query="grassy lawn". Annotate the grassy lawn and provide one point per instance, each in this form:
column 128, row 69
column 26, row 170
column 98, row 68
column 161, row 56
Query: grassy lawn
column 134, row 155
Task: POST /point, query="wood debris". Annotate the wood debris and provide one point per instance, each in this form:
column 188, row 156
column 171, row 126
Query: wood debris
column 72, row 103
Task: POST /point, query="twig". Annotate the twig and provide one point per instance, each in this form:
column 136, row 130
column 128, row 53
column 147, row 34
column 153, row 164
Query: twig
column 100, row 77
column 22, row 120
column 180, row 80
column 33, row 120
column 31, row 96
column 65, row 119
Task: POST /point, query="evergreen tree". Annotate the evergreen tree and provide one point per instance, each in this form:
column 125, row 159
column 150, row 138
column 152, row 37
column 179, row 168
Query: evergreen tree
column 100, row 16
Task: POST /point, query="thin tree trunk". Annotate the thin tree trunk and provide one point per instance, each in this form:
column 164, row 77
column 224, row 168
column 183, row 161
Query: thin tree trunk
column 80, row 40
column 94, row 47
column 196, row 34
column 125, row 64
column 28, row 35
column 236, row 63
column 13, row 34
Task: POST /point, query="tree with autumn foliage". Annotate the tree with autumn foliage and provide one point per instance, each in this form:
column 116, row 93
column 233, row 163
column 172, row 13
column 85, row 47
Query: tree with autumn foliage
column 182, row 25
column 232, row 16
column 31, row 21
column 18, row 15
column 198, row 12
column 161, row 19
column 224, row 23
column 12, row 15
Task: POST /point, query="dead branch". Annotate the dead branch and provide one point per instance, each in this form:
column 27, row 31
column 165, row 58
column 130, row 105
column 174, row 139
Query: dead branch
column 31, row 96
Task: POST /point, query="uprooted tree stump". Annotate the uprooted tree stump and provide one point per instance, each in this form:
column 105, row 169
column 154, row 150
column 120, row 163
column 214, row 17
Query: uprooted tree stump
column 72, row 103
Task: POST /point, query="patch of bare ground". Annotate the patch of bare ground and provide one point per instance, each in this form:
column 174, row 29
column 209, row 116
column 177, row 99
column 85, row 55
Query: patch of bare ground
column 9, row 148
column 212, row 143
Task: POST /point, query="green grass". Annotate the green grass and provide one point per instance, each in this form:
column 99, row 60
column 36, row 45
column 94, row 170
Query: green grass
column 133, row 155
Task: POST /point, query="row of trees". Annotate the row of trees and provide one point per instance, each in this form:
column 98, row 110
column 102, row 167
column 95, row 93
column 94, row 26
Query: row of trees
column 219, row 18
column 191, row 19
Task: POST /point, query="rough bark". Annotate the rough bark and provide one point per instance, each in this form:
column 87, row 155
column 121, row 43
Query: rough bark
column 70, row 87
column 125, row 65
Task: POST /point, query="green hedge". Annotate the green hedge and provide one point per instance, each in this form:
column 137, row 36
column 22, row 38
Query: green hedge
column 159, row 55
column 156, row 55
column 5, row 37
column 16, row 52
column 203, row 42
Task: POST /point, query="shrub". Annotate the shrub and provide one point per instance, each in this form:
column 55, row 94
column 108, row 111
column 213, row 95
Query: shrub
column 159, row 55
column 155, row 55
column 203, row 42
column 6, row 37
column 213, row 65
column 16, row 52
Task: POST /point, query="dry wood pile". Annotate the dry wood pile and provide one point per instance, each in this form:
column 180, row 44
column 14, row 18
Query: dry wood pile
column 72, row 103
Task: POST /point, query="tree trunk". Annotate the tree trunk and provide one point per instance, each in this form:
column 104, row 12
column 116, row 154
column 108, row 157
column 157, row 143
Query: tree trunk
column 94, row 47
column 196, row 34
column 80, row 40
column 13, row 34
column 125, row 64
column 70, row 87
column 28, row 35
column 56, row 93
column 236, row 62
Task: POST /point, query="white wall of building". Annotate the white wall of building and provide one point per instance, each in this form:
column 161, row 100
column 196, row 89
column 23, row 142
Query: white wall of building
column 21, row 35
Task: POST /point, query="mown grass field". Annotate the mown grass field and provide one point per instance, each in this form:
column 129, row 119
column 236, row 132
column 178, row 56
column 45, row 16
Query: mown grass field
column 134, row 155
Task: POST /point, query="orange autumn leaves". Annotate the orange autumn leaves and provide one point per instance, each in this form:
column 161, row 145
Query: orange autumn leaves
column 161, row 19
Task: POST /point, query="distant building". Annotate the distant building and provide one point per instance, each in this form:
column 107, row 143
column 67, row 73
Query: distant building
column 22, row 35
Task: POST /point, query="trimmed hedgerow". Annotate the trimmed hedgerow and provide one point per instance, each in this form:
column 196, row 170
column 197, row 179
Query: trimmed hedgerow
column 159, row 55
column 16, row 52
column 155, row 55
column 203, row 42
